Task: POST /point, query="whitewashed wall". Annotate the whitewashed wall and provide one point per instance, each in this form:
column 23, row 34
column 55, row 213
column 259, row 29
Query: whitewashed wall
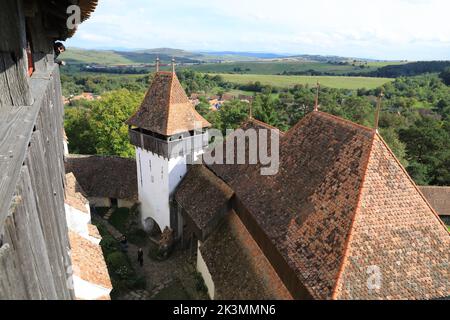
column 77, row 220
column 153, row 186
column 203, row 269
column 100, row 202
column 124, row 203
column 88, row 291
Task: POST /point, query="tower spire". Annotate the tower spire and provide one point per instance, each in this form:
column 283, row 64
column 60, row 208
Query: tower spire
column 316, row 104
column 250, row 111
column 377, row 114
column 173, row 65
column 157, row 64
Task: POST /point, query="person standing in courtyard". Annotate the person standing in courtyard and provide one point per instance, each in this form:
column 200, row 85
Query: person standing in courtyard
column 140, row 257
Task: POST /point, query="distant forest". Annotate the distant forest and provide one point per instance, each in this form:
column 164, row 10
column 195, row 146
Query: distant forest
column 410, row 69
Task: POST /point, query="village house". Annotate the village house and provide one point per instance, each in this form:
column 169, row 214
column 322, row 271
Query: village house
column 37, row 259
column 340, row 220
column 108, row 181
column 439, row 198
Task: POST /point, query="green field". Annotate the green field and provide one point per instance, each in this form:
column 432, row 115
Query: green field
column 279, row 67
column 94, row 56
column 290, row 81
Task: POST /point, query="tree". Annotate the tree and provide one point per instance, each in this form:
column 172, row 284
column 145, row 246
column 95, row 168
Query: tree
column 78, row 130
column 398, row 148
column 266, row 109
column 107, row 122
column 445, row 76
column 232, row 114
column 203, row 107
column 427, row 145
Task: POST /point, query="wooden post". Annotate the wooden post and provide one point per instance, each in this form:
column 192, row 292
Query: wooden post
column 316, row 104
column 377, row 113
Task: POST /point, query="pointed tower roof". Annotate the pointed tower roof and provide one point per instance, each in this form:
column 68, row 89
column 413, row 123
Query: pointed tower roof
column 340, row 209
column 166, row 109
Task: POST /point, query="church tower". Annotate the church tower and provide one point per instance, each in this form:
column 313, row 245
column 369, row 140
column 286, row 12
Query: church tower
column 168, row 134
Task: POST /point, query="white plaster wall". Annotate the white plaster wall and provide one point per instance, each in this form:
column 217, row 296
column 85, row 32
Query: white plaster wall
column 100, row 202
column 124, row 203
column 153, row 186
column 203, row 269
column 156, row 181
column 66, row 147
column 77, row 220
column 88, row 291
column 177, row 170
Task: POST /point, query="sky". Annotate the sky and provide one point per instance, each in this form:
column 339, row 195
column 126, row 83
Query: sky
column 381, row 29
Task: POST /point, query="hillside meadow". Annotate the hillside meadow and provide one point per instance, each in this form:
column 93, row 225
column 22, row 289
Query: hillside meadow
column 285, row 66
column 337, row 82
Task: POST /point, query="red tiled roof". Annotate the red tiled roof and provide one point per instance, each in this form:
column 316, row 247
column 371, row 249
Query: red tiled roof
column 395, row 230
column 104, row 176
column 93, row 232
column 166, row 109
column 439, row 198
column 74, row 194
column 340, row 196
column 88, row 261
column 203, row 196
column 239, row 269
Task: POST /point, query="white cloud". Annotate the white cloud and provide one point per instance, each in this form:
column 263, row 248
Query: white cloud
column 413, row 29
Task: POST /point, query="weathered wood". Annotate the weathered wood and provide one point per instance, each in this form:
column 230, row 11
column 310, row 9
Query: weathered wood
column 28, row 241
column 16, row 125
column 49, row 212
column 12, row 285
column 14, row 89
column 12, row 26
column 34, row 258
column 42, row 45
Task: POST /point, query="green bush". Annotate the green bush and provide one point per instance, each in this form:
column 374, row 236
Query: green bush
column 200, row 283
column 124, row 272
column 117, row 259
column 119, row 219
column 109, row 244
column 137, row 283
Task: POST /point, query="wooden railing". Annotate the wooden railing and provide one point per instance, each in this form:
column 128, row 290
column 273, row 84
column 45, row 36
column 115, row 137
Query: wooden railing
column 167, row 149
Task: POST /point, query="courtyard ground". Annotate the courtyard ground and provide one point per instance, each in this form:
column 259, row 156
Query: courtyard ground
column 175, row 278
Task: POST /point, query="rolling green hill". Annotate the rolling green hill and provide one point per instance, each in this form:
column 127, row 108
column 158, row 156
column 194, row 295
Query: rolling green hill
column 81, row 56
column 111, row 58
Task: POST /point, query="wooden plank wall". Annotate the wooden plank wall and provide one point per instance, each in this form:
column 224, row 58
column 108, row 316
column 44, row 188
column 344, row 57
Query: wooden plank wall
column 35, row 236
column 34, row 245
column 14, row 88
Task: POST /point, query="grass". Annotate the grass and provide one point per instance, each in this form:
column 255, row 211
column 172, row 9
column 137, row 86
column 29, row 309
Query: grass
column 94, row 56
column 123, row 276
column 290, row 81
column 278, row 67
column 119, row 219
column 175, row 291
